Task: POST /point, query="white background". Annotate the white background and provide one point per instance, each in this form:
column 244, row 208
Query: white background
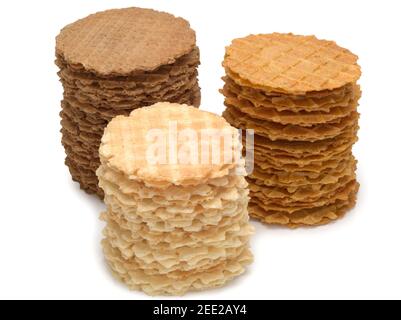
column 49, row 229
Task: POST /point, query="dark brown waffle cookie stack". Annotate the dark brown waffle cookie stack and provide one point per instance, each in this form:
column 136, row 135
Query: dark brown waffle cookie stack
column 113, row 62
column 300, row 95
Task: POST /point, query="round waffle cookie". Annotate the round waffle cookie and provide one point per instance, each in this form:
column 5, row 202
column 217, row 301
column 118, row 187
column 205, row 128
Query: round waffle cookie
column 113, row 62
column 129, row 135
column 125, row 41
column 173, row 225
column 300, row 96
column 290, row 64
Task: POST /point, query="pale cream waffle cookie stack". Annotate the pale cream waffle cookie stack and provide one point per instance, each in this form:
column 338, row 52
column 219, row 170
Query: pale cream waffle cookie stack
column 113, row 62
column 300, row 95
column 173, row 226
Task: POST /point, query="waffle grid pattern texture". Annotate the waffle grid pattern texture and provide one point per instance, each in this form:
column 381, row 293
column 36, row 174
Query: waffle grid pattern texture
column 125, row 41
column 291, row 64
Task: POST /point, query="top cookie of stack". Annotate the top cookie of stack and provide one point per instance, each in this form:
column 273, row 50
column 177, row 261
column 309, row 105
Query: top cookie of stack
column 300, row 95
column 116, row 61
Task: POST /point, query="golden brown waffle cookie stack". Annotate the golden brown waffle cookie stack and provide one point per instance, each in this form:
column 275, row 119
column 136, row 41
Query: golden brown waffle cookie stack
column 113, row 62
column 173, row 226
column 300, row 95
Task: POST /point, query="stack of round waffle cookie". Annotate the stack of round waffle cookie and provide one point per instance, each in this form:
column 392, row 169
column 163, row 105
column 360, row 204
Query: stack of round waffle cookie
column 113, row 62
column 174, row 223
column 300, row 95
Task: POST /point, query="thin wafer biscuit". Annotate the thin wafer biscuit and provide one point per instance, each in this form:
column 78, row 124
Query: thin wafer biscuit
column 125, row 137
column 316, row 101
column 309, row 217
column 289, row 117
column 276, row 131
column 113, row 42
column 282, row 200
column 291, row 64
column 274, row 177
